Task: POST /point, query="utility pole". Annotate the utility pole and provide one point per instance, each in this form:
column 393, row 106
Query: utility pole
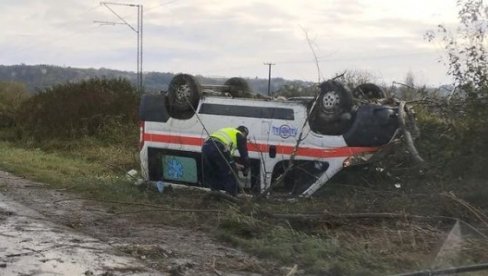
column 138, row 31
column 269, row 76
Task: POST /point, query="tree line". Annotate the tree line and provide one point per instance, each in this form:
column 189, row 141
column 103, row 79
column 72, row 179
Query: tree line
column 39, row 77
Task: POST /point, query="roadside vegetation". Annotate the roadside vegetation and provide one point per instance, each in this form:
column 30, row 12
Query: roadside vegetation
column 390, row 217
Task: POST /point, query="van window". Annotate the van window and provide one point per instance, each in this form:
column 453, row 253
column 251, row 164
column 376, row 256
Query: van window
column 176, row 166
column 179, row 168
column 248, row 111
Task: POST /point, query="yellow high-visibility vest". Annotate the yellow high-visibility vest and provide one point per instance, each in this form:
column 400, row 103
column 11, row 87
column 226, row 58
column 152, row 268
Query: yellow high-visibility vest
column 228, row 137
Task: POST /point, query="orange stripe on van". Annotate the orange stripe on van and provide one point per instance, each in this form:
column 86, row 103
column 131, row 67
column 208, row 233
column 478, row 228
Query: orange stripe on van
column 173, row 139
column 255, row 147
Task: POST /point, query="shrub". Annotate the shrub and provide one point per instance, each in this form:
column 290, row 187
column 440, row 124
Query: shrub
column 12, row 95
column 72, row 110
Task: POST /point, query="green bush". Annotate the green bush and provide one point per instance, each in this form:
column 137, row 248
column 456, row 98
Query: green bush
column 454, row 140
column 72, row 110
column 12, row 95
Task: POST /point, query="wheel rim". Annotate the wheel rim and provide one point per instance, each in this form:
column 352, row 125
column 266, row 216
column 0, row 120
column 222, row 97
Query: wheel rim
column 330, row 101
column 182, row 93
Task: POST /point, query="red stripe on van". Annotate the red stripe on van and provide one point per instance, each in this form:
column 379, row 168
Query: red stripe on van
column 173, row 139
column 313, row 152
column 255, row 147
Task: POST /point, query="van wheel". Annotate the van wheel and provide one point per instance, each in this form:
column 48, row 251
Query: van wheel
column 334, row 99
column 368, row 91
column 238, row 87
column 332, row 113
column 183, row 95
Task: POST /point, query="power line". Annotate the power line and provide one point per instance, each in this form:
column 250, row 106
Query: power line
column 372, row 57
column 159, row 5
column 138, row 31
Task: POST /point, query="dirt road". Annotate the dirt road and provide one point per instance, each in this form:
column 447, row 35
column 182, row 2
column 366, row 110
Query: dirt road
column 43, row 233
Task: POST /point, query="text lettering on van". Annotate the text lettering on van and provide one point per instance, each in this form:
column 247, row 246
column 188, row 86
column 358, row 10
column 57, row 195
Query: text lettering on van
column 285, row 131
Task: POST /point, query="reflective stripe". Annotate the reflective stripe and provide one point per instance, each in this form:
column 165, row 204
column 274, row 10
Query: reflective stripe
column 228, row 137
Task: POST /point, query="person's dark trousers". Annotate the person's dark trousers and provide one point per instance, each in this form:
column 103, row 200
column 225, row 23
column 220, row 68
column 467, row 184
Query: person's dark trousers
column 217, row 173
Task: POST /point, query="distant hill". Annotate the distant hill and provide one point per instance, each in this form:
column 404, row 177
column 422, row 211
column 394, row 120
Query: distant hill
column 39, row 77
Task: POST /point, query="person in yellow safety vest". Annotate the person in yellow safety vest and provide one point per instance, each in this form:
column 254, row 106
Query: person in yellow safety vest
column 219, row 167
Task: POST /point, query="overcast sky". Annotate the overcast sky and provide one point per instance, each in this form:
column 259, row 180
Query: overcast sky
column 233, row 37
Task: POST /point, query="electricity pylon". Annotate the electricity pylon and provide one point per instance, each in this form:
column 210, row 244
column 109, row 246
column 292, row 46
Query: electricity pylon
column 138, row 31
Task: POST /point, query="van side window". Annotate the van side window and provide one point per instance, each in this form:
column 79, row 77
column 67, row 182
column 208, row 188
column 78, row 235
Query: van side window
column 248, row 111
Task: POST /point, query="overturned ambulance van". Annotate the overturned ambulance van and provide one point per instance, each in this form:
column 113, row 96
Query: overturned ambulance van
column 299, row 142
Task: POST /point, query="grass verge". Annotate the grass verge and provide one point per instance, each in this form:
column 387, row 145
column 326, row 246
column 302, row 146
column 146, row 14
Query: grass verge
column 331, row 247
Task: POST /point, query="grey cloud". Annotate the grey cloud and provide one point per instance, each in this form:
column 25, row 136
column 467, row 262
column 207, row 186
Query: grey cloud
column 191, row 35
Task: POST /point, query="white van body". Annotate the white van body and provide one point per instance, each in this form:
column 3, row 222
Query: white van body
column 171, row 148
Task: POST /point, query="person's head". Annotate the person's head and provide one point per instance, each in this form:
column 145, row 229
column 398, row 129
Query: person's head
column 243, row 130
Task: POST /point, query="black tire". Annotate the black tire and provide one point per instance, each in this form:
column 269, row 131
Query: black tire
column 183, row 96
column 334, row 99
column 332, row 114
column 368, row 91
column 238, row 87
